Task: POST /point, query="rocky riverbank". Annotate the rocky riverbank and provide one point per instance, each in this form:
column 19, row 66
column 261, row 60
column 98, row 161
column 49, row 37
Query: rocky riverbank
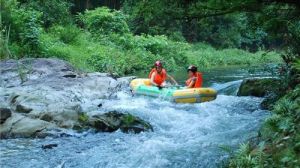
column 38, row 96
column 272, row 89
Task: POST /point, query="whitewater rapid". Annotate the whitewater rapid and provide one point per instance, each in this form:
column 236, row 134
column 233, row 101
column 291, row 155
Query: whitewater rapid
column 185, row 135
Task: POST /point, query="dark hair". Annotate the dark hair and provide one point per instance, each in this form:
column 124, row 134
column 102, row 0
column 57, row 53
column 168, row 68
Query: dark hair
column 192, row 68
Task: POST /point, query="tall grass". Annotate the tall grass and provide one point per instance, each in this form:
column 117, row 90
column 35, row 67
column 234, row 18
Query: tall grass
column 206, row 56
column 127, row 53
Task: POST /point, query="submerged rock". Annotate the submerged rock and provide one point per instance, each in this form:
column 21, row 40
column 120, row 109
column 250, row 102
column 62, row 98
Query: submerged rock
column 112, row 121
column 49, row 93
column 5, row 113
column 22, row 109
column 259, row 87
column 49, row 146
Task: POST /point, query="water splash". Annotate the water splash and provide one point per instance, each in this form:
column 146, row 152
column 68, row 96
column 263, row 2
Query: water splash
column 185, row 135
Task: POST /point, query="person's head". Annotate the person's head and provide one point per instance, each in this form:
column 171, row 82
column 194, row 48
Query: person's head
column 191, row 70
column 158, row 66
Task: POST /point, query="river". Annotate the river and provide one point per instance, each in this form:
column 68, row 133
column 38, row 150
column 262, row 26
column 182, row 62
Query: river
column 185, row 135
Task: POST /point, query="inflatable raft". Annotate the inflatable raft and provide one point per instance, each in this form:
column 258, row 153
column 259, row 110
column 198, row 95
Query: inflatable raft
column 178, row 95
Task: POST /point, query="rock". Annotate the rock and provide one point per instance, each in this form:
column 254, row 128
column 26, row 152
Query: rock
column 125, row 81
column 28, row 127
column 70, row 76
column 22, row 109
column 130, row 123
column 49, row 146
column 107, row 122
column 21, row 126
column 50, row 93
column 16, row 72
column 112, row 121
column 259, row 87
column 6, row 128
column 46, row 117
column 5, row 113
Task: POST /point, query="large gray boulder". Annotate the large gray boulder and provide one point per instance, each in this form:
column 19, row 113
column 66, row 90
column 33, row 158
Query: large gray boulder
column 20, row 126
column 49, row 93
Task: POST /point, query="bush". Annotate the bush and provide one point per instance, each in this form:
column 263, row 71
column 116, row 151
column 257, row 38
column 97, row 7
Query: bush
column 108, row 46
column 67, row 34
column 206, row 56
column 53, row 11
column 280, row 137
column 154, row 48
column 104, row 21
column 26, row 28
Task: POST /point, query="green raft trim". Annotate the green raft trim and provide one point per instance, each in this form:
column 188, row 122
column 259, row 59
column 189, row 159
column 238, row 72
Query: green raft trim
column 152, row 91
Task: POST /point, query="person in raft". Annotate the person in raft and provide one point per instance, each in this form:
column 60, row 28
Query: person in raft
column 158, row 76
column 195, row 78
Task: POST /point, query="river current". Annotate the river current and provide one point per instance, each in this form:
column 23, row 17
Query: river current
column 185, row 135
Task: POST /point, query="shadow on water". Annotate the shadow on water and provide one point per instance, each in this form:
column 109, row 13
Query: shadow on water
column 185, row 135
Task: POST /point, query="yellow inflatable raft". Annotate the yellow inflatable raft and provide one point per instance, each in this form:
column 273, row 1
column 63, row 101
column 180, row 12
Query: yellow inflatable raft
column 178, row 95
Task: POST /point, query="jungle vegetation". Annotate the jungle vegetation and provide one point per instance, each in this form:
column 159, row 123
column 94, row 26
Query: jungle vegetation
column 129, row 35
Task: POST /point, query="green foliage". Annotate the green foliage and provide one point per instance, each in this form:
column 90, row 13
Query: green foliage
column 146, row 18
column 67, row 34
column 53, row 11
column 297, row 64
column 4, row 44
column 104, row 21
column 24, row 25
column 247, row 157
column 107, row 45
column 207, row 56
column 280, row 136
column 191, row 19
column 23, row 71
column 31, row 29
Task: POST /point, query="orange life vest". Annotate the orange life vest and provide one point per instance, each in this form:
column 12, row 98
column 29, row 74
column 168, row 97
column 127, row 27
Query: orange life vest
column 159, row 78
column 199, row 80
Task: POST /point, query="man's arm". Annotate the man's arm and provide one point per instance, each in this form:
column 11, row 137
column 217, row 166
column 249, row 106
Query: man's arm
column 191, row 85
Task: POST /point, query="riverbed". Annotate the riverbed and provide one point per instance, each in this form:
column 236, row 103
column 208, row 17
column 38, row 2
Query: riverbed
column 185, row 135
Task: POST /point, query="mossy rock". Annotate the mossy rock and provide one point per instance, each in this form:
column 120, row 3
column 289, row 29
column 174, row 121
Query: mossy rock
column 260, row 87
column 83, row 118
column 112, row 121
column 130, row 123
column 83, row 122
column 108, row 122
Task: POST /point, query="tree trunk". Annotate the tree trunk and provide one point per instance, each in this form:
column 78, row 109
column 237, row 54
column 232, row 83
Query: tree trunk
column 87, row 4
